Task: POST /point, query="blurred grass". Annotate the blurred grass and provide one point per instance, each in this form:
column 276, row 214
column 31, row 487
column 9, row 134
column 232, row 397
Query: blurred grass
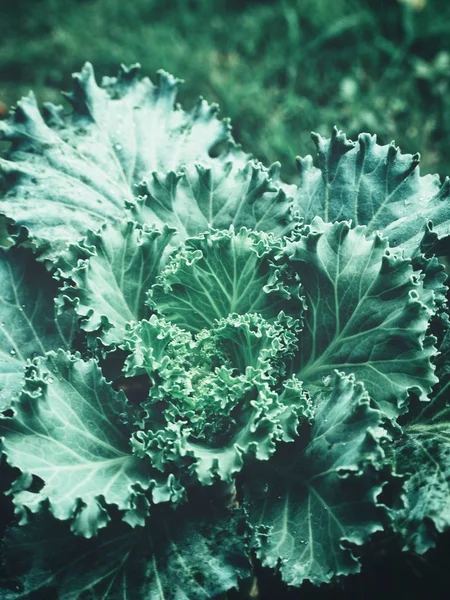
column 278, row 68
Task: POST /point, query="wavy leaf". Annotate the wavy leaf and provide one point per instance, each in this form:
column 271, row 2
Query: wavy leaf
column 315, row 501
column 155, row 563
column 215, row 398
column 67, row 429
column 244, row 420
column 219, row 273
column 372, row 185
column 217, row 196
column 67, row 174
column 422, row 456
column 28, row 322
column 112, row 270
column 368, row 314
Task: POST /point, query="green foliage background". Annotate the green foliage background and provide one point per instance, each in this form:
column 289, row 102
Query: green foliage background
column 278, row 68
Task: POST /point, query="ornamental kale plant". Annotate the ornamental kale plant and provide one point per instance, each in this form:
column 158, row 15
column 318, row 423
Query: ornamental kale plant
column 203, row 368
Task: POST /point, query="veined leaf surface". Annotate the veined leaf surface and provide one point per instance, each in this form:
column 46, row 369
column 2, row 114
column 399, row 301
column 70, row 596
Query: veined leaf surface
column 217, row 196
column 219, row 273
column 112, row 270
column 319, row 495
column 422, row 455
column 67, row 430
column 67, row 174
column 373, row 185
column 367, row 314
column 28, row 323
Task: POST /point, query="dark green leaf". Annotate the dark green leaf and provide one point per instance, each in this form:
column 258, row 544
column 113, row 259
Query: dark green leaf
column 112, row 270
column 215, row 197
column 68, row 174
column 191, row 554
column 368, row 314
column 317, row 499
column 67, row 430
column 219, row 273
column 28, row 323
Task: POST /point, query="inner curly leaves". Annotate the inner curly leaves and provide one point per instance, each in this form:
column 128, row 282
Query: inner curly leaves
column 211, row 383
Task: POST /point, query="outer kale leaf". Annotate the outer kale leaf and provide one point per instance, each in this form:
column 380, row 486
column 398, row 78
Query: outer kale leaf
column 70, row 173
column 197, row 276
column 316, row 499
column 422, row 455
column 28, row 322
column 195, row 553
column 67, row 429
column 372, row 185
column 55, row 189
column 215, row 197
column 367, row 314
column 110, row 274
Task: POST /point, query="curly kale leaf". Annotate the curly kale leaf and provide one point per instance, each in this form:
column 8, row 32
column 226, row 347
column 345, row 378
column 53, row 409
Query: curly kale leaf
column 29, row 326
column 67, row 429
column 422, row 455
column 216, row 398
column 315, row 501
column 200, row 198
column 68, row 173
column 224, row 272
column 108, row 275
column 375, row 186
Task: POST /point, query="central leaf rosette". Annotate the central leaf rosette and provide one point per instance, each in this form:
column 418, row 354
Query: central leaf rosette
column 217, row 395
column 217, row 353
